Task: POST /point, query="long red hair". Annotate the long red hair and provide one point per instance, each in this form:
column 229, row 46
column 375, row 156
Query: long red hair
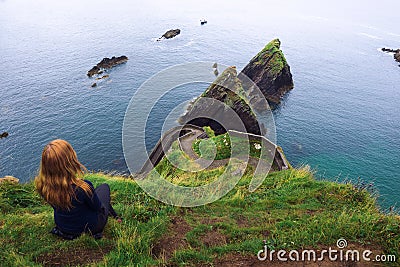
column 59, row 170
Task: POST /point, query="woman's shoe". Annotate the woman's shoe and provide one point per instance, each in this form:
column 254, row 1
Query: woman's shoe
column 58, row 232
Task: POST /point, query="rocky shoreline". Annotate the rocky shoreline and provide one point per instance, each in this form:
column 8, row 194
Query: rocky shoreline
column 106, row 63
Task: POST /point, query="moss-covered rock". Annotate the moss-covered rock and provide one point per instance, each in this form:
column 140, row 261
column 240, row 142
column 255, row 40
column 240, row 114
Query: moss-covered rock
column 270, row 71
column 226, row 89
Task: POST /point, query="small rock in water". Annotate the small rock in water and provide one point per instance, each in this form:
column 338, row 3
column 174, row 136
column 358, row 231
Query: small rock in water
column 103, row 77
column 4, row 135
column 215, row 66
column 94, row 84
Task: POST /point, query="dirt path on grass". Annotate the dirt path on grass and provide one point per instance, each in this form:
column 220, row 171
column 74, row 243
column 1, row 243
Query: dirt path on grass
column 77, row 256
column 173, row 240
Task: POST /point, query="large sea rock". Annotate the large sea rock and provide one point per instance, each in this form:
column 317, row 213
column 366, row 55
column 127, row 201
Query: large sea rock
column 170, row 34
column 106, row 63
column 270, row 71
column 209, row 105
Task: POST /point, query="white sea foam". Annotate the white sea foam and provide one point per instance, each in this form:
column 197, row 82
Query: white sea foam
column 393, row 34
column 369, row 27
column 370, row 36
column 190, row 43
column 314, row 18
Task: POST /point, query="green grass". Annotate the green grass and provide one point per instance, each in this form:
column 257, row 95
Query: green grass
column 291, row 210
column 221, row 146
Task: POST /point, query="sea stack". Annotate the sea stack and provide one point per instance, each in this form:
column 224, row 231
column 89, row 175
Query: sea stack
column 270, row 71
column 208, row 105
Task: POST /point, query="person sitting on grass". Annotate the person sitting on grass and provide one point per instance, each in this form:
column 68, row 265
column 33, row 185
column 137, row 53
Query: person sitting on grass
column 78, row 207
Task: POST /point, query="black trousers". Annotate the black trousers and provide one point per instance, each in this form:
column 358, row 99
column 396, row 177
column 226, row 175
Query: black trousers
column 103, row 193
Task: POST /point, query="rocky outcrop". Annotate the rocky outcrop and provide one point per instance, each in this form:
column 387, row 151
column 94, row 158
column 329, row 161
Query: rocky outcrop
column 395, row 51
column 9, row 179
column 170, row 34
column 209, row 106
column 4, row 135
column 106, row 63
column 270, row 72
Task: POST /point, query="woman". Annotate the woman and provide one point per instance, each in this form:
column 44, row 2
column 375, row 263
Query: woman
column 78, row 207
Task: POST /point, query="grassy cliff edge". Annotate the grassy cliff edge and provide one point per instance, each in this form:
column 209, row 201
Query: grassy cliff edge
column 291, row 210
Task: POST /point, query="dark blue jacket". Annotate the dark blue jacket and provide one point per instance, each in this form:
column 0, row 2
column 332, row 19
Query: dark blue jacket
column 83, row 215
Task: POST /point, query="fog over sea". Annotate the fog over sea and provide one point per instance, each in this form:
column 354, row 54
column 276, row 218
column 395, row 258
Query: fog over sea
column 342, row 118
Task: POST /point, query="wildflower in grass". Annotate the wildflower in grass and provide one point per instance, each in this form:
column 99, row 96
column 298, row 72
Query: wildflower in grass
column 257, row 146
